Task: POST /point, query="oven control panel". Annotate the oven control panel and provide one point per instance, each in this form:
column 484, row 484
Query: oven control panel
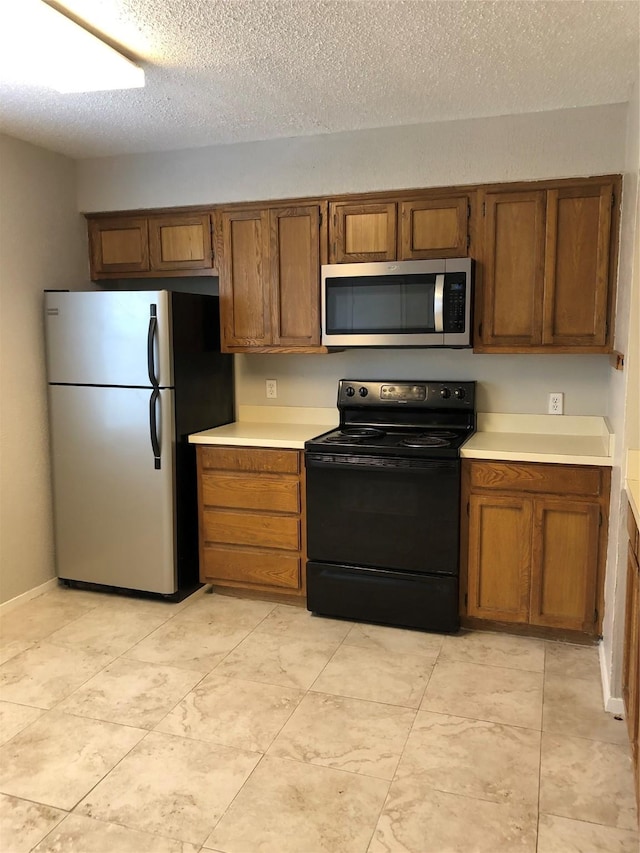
column 420, row 393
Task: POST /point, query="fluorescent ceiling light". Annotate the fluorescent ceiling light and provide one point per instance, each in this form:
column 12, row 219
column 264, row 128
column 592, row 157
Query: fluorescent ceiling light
column 41, row 47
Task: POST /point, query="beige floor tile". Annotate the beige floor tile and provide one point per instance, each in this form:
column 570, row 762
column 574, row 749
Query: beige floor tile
column 46, row 673
column 131, row 693
column 473, row 758
column 574, row 706
column 78, row 834
column 23, row 824
column 587, row 780
column 496, row 694
column 40, row 617
column 395, row 640
column 171, row 786
column 346, row 734
column 245, row 714
column 108, row 630
column 418, row 819
column 14, row 718
column 572, row 661
column 562, row 835
column 287, row 620
column 190, row 645
column 11, row 648
column 375, row 675
column 57, row 759
column 216, row 608
column 494, row 650
column 277, row 660
column 288, row 807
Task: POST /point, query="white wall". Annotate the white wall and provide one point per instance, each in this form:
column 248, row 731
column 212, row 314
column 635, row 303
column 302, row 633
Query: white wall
column 623, row 405
column 42, row 245
column 561, row 143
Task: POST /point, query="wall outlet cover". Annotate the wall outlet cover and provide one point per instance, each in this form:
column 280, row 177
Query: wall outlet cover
column 556, row 403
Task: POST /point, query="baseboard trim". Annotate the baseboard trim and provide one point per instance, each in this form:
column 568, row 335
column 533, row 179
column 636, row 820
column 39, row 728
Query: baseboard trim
column 28, row 595
column 612, row 704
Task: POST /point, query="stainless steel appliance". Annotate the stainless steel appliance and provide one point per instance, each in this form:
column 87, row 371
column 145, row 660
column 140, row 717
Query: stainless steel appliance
column 383, row 496
column 397, row 304
column 131, row 374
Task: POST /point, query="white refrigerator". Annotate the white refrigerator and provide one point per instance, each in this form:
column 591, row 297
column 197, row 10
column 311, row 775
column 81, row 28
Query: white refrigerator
column 130, row 375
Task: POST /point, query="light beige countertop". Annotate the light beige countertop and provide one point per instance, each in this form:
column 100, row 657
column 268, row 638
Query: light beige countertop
column 270, row 426
column 563, row 439
column 521, row 438
column 632, row 482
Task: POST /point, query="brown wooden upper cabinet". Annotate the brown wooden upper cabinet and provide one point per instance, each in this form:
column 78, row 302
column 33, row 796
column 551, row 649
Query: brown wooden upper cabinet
column 434, row 228
column 407, row 229
column 269, row 266
column 163, row 245
column 547, row 267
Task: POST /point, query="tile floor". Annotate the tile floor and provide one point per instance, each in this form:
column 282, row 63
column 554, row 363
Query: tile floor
column 238, row 726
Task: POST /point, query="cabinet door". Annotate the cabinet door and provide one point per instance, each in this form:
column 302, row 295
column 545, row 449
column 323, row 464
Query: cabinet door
column 362, row 232
column 577, row 266
column 631, row 660
column 565, row 564
column 294, row 250
column 118, row 245
column 499, row 557
column 434, row 228
column 513, row 269
column 180, row 242
column 245, row 304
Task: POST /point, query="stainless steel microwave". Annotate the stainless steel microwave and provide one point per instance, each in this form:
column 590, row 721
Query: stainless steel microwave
column 397, row 304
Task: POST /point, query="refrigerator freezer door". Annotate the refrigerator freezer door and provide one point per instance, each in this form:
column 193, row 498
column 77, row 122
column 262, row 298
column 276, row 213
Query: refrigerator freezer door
column 114, row 511
column 101, row 338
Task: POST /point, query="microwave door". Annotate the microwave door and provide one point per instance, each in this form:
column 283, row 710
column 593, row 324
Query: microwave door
column 383, row 310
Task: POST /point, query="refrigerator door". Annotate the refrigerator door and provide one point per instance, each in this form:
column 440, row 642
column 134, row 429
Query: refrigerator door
column 114, row 510
column 109, row 337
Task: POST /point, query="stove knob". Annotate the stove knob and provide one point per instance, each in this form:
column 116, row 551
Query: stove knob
column 445, row 393
column 363, row 391
column 460, row 393
column 350, row 391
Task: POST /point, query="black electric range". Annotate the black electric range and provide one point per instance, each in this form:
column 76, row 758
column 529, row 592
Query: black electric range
column 383, row 495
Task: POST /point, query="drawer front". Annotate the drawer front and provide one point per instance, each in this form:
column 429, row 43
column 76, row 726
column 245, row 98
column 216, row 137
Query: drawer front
column 537, row 478
column 250, row 459
column 251, row 567
column 248, row 491
column 247, row 528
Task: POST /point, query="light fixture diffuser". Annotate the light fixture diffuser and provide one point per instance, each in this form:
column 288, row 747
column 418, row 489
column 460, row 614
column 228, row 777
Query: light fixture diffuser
column 40, row 46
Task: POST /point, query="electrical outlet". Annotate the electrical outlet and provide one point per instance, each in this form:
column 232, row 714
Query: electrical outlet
column 271, row 389
column 556, row 403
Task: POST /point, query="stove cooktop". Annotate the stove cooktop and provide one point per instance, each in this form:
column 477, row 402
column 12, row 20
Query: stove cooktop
column 400, row 418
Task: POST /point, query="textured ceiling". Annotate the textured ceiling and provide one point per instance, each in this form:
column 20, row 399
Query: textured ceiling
column 223, row 71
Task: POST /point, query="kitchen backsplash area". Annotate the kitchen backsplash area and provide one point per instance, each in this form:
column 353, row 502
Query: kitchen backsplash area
column 506, row 383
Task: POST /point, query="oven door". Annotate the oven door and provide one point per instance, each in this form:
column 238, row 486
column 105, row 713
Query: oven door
column 386, row 513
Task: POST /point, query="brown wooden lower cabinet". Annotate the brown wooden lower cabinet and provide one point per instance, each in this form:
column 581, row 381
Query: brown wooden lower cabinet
column 251, row 518
column 534, row 543
column 631, row 658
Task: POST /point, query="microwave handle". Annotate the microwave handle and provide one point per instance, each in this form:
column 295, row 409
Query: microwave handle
column 438, row 304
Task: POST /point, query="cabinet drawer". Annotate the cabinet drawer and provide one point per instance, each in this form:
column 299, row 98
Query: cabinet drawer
column 537, row 478
column 251, row 567
column 250, row 459
column 248, row 528
column 246, row 491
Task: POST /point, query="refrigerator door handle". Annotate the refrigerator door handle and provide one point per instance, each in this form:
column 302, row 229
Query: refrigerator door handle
column 151, row 336
column 153, row 428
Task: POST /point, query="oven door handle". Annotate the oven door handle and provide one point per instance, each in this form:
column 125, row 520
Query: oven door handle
column 379, row 463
